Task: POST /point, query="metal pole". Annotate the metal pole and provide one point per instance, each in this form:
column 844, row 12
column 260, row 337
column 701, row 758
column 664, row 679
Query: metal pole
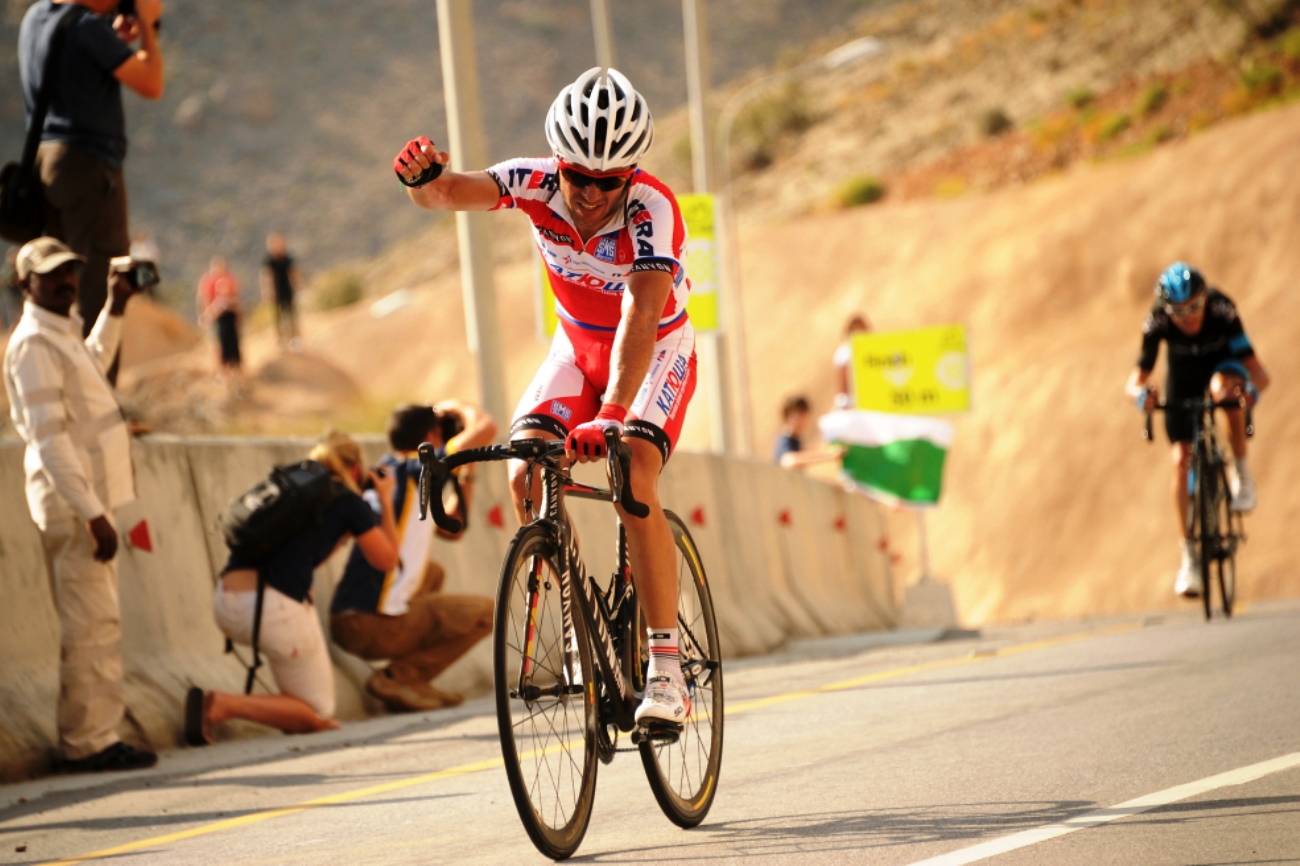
column 712, row 346
column 604, row 30
column 923, row 545
column 473, row 230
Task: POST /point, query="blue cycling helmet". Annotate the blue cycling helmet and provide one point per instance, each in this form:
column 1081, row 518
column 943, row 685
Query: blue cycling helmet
column 1179, row 284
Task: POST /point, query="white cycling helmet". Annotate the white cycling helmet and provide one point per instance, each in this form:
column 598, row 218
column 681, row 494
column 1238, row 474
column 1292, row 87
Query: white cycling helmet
column 600, row 122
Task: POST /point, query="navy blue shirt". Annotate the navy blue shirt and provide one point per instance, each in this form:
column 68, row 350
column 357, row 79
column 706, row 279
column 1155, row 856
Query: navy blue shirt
column 86, row 103
column 786, row 443
column 289, row 569
column 362, row 584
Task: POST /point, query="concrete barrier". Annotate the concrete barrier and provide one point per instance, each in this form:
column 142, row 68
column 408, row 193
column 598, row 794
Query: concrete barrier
column 785, row 556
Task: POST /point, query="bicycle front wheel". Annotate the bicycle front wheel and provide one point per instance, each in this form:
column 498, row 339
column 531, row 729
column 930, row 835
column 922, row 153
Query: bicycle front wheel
column 684, row 775
column 1230, row 532
column 545, row 708
column 1207, row 483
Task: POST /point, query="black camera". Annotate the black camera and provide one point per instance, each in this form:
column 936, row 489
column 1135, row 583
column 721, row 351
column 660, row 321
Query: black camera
column 126, row 7
column 449, row 424
column 139, row 273
column 368, row 483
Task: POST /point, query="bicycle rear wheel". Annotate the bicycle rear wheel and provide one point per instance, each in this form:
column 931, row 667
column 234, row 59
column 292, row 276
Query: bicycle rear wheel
column 684, row 775
column 545, row 708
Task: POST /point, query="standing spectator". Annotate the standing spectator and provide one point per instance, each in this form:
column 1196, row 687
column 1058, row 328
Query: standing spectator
column 280, row 287
column 218, row 303
column 843, row 360
column 400, row 614
column 790, row 453
column 84, row 139
column 78, row 471
column 290, row 634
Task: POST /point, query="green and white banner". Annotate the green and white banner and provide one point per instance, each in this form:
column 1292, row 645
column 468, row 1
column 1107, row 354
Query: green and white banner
column 895, row 458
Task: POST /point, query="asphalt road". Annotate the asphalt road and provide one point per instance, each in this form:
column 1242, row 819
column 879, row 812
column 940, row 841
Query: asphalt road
column 1157, row 741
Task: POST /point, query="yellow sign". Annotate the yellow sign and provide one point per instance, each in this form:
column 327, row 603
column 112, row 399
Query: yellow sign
column 700, row 257
column 548, row 320
column 923, row 371
column 701, row 260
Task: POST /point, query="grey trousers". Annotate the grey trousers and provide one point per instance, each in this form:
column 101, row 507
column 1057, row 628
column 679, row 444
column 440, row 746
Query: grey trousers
column 86, row 208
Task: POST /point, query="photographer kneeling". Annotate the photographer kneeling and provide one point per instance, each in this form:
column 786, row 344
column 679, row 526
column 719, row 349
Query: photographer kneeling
column 290, row 634
column 397, row 612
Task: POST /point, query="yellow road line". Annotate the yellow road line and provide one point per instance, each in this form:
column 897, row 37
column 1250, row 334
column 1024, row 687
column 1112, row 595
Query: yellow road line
column 465, row 769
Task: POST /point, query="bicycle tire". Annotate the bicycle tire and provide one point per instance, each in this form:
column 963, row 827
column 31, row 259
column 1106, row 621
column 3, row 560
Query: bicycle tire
column 1205, row 483
column 551, row 766
column 1226, row 566
column 684, row 775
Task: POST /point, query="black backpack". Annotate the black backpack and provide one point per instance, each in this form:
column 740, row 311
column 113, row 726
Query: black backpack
column 259, row 520
column 290, row 499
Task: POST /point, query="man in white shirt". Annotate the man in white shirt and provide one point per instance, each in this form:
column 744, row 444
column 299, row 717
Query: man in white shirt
column 78, row 467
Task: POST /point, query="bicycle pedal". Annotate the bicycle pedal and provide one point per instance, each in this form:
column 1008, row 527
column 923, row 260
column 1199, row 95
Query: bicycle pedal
column 664, row 733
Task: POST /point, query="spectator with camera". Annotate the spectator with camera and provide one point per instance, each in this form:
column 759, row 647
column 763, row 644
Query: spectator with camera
column 78, row 466
column 289, row 632
column 399, row 613
column 83, row 141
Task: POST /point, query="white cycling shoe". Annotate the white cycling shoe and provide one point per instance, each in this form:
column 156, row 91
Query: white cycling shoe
column 1243, row 492
column 1188, row 582
column 666, row 701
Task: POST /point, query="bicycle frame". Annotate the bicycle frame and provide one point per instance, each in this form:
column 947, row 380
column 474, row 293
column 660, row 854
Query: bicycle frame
column 604, row 620
column 598, row 614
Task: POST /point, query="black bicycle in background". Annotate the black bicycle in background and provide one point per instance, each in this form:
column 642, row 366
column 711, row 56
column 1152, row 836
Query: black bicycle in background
column 569, row 659
column 1216, row 530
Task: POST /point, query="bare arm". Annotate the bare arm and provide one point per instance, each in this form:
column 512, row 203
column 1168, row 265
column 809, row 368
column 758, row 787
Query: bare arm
column 474, row 190
column 379, row 545
column 1258, row 375
column 634, row 342
column 143, row 71
column 803, row 459
column 479, row 430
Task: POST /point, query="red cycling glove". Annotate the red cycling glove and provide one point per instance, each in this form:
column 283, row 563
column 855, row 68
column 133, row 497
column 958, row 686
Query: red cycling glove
column 588, row 439
column 407, row 157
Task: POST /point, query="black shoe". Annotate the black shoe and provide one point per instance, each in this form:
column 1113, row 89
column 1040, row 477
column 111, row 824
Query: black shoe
column 118, row 756
column 194, row 733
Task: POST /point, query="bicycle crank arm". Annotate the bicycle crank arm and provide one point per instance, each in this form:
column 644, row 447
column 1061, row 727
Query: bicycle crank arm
column 531, row 693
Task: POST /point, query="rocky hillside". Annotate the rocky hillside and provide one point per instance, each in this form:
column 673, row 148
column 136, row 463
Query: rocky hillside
column 286, row 115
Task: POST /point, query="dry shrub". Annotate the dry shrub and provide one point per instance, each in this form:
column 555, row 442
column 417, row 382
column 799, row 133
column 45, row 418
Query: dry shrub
column 337, row 288
column 859, row 190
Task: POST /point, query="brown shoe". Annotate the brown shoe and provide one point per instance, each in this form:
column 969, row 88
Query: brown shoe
column 400, row 697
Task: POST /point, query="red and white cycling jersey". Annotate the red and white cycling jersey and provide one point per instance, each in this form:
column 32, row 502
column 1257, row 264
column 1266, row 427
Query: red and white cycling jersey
column 590, row 280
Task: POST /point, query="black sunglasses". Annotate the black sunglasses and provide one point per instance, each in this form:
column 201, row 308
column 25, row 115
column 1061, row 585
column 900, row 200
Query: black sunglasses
column 604, row 184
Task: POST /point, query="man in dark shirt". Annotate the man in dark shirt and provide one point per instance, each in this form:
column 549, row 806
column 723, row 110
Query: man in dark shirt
column 279, row 287
column 1208, row 348
column 401, row 614
column 84, row 139
column 790, row 453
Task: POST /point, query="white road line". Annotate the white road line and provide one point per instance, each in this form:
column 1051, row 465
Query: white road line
column 1025, row 838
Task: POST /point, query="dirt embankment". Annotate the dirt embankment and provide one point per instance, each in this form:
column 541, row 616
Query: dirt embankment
column 1054, row 504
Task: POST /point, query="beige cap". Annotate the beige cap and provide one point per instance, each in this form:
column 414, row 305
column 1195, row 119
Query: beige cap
column 44, row 255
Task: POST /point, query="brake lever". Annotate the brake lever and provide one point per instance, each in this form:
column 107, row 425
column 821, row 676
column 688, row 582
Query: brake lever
column 620, row 472
column 433, row 474
column 1146, row 430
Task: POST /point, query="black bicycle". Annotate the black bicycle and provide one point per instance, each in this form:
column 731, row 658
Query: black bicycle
column 1215, row 529
column 570, row 658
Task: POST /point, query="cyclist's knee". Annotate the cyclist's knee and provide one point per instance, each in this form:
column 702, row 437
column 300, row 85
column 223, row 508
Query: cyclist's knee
column 1224, row 386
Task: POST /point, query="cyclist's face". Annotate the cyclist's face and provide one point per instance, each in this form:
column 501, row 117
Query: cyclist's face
column 590, row 205
column 1188, row 317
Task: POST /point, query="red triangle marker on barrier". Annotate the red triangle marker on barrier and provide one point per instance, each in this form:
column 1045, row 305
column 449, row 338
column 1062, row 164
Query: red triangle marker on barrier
column 840, row 525
column 697, row 516
column 139, row 538
column 784, row 518
column 496, row 518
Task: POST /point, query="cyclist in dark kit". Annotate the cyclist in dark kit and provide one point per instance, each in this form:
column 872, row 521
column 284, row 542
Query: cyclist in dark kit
column 1208, row 348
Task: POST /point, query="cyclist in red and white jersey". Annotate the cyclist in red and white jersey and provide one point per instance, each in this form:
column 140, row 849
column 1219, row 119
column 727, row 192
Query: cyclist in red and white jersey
column 611, row 236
